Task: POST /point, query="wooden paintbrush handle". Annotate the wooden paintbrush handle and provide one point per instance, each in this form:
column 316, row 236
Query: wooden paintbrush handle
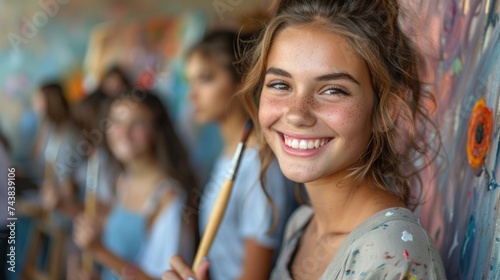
column 49, row 173
column 213, row 222
column 88, row 263
column 91, row 205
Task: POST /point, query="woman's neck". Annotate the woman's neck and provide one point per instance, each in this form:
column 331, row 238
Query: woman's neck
column 231, row 128
column 341, row 205
column 143, row 168
column 142, row 177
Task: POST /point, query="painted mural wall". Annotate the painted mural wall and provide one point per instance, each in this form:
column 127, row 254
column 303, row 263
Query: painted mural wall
column 461, row 210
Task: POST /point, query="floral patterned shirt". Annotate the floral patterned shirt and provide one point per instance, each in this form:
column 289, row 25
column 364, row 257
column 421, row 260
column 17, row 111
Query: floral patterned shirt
column 389, row 245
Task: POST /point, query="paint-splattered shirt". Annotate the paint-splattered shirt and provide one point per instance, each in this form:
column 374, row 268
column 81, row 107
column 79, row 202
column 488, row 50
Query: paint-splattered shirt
column 389, row 245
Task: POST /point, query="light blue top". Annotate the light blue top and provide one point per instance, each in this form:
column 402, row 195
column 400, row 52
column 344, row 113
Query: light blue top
column 62, row 149
column 248, row 214
column 106, row 177
column 126, row 234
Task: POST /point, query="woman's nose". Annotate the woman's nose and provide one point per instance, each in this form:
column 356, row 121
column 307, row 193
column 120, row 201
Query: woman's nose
column 299, row 112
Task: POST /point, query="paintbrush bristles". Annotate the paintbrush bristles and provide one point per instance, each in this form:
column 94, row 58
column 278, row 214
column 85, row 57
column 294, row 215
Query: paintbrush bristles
column 247, row 131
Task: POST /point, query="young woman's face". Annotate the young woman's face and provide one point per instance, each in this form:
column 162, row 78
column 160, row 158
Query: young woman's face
column 316, row 104
column 212, row 88
column 130, row 133
column 113, row 85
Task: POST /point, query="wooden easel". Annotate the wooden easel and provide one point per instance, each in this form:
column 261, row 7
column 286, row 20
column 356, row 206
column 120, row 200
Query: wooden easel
column 45, row 227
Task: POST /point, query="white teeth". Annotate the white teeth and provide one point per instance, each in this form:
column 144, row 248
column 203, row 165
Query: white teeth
column 310, row 144
column 304, row 144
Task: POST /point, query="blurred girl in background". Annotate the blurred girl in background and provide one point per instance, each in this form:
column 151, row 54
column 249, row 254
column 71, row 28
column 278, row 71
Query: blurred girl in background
column 145, row 225
column 91, row 117
column 245, row 243
column 115, row 82
column 56, row 148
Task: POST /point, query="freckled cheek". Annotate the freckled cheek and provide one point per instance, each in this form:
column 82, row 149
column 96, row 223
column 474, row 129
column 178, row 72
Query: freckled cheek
column 362, row 124
column 269, row 111
column 347, row 119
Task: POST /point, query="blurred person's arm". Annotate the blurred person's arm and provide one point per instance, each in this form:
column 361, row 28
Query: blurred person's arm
column 123, row 268
column 66, row 201
column 70, row 204
column 257, row 218
column 257, row 262
column 86, row 235
column 62, row 198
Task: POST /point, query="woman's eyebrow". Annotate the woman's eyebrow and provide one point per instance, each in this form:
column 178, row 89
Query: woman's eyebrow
column 278, row 72
column 337, row 76
column 327, row 77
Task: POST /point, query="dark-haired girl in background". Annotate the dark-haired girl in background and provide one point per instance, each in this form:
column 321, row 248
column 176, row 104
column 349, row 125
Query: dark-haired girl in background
column 146, row 224
column 246, row 242
column 56, row 148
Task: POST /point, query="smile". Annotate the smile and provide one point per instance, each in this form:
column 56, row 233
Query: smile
column 305, row 144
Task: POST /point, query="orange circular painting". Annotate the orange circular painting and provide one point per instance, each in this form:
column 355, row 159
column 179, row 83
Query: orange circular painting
column 479, row 134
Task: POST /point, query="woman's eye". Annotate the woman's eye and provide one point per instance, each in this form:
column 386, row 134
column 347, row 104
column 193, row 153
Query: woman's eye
column 281, row 86
column 335, row 90
column 139, row 123
column 113, row 121
column 205, row 78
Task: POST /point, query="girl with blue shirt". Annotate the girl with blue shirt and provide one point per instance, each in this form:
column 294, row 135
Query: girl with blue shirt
column 145, row 225
column 247, row 241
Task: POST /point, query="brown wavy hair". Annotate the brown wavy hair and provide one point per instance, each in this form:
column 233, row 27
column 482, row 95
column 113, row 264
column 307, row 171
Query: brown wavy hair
column 58, row 110
column 399, row 148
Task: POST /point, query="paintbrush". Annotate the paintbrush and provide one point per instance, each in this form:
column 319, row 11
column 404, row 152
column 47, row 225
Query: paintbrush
column 222, row 200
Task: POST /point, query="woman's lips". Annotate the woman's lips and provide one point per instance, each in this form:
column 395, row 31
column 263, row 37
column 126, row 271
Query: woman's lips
column 303, row 146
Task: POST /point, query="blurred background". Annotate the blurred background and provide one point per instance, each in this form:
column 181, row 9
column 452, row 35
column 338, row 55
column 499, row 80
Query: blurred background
column 77, row 41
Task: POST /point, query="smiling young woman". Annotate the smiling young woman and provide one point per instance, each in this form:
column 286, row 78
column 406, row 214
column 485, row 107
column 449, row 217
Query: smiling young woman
column 316, row 91
column 335, row 89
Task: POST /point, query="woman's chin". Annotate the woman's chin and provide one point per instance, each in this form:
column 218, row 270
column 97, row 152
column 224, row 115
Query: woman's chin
column 125, row 156
column 299, row 176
